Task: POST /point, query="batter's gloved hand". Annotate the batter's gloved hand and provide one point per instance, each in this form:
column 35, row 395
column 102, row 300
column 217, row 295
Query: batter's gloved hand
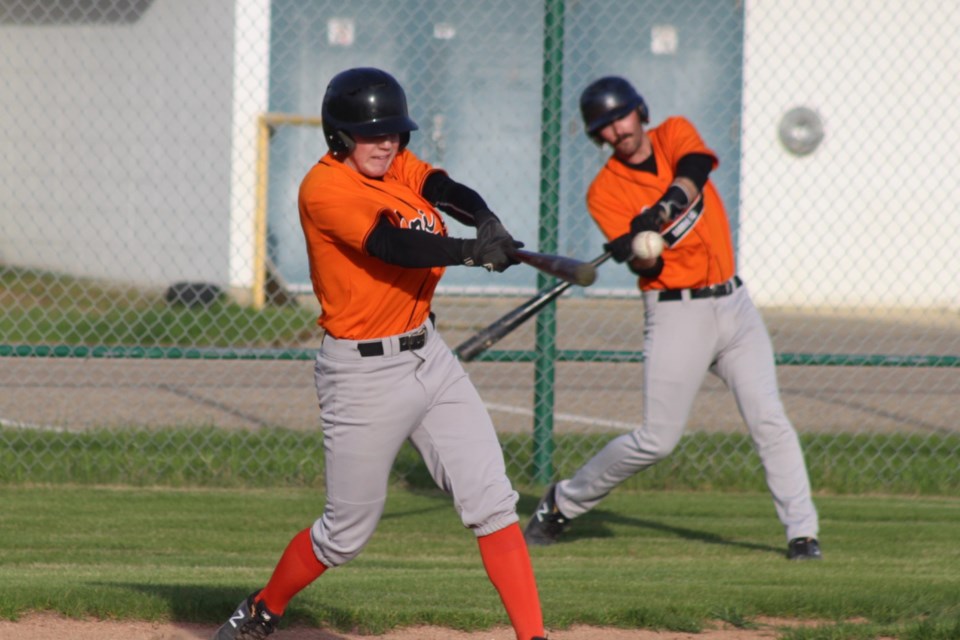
column 494, row 245
column 493, row 253
column 490, row 229
column 621, row 247
column 648, row 220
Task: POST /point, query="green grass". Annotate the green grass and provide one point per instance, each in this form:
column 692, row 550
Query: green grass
column 54, row 309
column 274, row 457
column 666, row 560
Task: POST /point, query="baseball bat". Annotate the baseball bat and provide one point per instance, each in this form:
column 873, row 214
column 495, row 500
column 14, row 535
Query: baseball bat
column 568, row 269
column 487, row 337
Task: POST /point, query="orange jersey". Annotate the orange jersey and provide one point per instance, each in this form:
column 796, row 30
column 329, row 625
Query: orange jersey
column 703, row 255
column 363, row 297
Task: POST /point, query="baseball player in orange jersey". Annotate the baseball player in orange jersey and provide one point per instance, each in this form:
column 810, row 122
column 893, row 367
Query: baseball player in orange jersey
column 697, row 312
column 377, row 247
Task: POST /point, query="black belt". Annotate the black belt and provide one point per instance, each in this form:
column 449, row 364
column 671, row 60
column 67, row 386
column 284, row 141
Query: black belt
column 410, row 342
column 716, row 291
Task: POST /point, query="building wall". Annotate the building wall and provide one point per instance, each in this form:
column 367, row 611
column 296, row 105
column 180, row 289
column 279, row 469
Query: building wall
column 117, row 136
column 869, row 218
column 129, row 145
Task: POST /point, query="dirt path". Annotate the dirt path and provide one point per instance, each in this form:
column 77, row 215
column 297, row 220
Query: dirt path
column 53, row 627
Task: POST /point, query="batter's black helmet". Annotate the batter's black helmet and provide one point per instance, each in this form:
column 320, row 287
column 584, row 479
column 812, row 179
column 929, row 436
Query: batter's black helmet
column 608, row 99
column 365, row 102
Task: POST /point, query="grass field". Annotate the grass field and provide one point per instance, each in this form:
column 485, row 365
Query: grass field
column 663, row 560
column 210, row 457
column 179, row 524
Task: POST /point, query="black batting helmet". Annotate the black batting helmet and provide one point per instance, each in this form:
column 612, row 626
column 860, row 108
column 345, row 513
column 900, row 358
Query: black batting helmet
column 365, row 102
column 608, row 99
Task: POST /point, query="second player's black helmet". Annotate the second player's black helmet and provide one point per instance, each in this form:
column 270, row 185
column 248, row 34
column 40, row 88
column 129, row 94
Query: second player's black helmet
column 367, row 102
column 608, row 99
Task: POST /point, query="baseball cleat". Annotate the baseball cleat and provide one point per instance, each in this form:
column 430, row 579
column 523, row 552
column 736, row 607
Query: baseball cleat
column 547, row 522
column 803, row 549
column 251, row 621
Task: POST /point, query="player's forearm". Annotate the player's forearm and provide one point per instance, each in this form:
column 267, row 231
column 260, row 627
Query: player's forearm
column 691, row 175
column 414, row 249
column 688, row 187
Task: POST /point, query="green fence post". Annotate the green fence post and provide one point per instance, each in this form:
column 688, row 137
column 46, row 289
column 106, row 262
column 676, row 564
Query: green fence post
column 546, row 345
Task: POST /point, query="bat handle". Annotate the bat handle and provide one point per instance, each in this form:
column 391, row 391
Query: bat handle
column 599, row 260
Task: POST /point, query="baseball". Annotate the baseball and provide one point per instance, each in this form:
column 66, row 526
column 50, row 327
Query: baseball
column 647, row 245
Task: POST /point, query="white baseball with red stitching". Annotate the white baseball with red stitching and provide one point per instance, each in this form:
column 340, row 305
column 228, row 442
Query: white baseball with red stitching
column 647, row 245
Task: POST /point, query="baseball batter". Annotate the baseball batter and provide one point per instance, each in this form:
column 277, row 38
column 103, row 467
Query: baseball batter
column 698, row 315
column 377, row 247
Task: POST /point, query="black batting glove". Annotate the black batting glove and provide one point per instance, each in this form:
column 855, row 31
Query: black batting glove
column 494, row 246
column 648, row 220
column 621, row 247
column 493, row 254
column 491, row 229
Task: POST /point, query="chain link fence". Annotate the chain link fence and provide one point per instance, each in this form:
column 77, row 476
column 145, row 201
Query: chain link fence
column 156, row 322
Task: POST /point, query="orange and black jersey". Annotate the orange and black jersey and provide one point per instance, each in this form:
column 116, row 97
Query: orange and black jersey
column 362, row 296
column 703, row 253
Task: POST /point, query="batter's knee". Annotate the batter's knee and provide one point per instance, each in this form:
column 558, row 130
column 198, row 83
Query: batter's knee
column 653, row 444
column 343, row 531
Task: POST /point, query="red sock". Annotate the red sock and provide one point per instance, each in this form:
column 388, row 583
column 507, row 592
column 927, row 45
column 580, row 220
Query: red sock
column 297, row 568
column 507, row 562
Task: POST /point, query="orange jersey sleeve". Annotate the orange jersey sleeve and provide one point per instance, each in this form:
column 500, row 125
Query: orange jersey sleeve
column 363, row 297
column 703, row 255
column 410, row 170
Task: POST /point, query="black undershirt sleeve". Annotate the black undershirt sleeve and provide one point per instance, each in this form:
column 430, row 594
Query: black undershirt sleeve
column 696, row 167
column 413, row 248
column 459, row 201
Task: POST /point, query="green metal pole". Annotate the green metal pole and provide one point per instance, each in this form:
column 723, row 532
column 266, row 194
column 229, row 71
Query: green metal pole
column 546, row 344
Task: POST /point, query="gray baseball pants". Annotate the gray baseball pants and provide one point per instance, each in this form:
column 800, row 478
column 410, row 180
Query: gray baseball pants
column 683, row 340
column 370, row 406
